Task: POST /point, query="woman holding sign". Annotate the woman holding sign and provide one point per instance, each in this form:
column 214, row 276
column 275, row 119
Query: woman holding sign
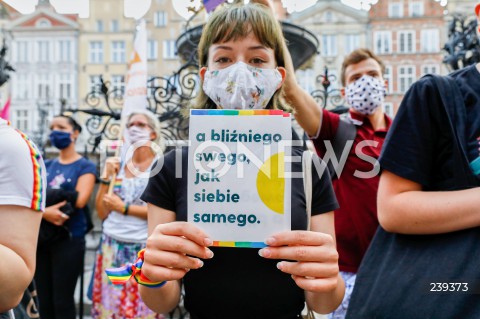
column 124, row 216
column 241, row 46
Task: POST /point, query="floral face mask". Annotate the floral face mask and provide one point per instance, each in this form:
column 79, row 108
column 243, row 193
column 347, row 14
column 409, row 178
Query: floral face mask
column 366, row 94
column 241, row 86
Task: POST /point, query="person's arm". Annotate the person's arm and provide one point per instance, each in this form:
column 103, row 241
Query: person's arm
column 106, row 203
column 403, row 207
column 18, row 243
column 170, row 252
column 313, row 262
column 100, row 206
column 307, row 112
column 84, row 187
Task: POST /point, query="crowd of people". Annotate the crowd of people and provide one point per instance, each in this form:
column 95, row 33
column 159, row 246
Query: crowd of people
column 393, row 231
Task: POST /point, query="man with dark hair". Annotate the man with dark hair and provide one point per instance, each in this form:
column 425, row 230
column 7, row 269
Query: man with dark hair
column 355, row 141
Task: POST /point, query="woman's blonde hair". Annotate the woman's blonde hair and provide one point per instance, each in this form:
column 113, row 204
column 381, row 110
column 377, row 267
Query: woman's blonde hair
column 237, row 22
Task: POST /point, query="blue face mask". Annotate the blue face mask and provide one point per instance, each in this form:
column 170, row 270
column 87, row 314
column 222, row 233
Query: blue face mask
column 60, row 139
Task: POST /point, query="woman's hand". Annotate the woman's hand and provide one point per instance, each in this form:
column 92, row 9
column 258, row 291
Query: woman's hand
column 113, row 202
column 173, row 249
column 54, row 215
column 313, row 258
column 112, row 166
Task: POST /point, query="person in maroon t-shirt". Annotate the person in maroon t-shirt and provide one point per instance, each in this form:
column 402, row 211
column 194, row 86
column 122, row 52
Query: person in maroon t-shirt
column 356, row 187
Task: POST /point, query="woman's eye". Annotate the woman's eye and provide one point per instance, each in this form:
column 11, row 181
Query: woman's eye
column 222, row 60
column 257, row 61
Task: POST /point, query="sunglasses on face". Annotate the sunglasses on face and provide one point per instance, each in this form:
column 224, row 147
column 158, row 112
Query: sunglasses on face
column 138, row 124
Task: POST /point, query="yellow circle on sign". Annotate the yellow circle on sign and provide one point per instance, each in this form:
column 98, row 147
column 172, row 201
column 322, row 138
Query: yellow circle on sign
column 271, row 183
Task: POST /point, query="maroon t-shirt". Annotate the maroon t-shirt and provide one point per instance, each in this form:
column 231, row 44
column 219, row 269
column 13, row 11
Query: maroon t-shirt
column 356, row 219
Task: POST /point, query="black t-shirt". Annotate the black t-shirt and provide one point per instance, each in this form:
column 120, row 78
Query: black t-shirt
column 419, row 146
column 237, row 282
column 404, row 276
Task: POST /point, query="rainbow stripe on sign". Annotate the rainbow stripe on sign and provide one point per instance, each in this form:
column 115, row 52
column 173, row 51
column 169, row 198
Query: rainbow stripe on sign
column 239, row 244
column 239, row 112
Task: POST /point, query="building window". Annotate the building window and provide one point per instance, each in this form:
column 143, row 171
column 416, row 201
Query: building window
column 118, row 82
column 43, row 53
column 43, row 23
column 395, row 10
column 406, row 41
column 169, row 49
column 430, row 69
column 65, row 86
column 94, row 84
column 160, row 18
column 114, row 27
column 430, row 40
column 406, row 77
column 329, row 45
column 21, row 120
column 43, row 86
column 152, row 50
column 21, row 86
column 416, row 9
column 383, row 42
column 22, row 51
column 388, row 76
column 388, row 108
column 352, row 42
column 99, row 25
column 96, row 52
column 118, row 51
column 65, row 50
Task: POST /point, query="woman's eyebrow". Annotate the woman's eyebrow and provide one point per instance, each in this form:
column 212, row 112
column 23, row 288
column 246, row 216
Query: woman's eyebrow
column 222, row 47
column 258, row 47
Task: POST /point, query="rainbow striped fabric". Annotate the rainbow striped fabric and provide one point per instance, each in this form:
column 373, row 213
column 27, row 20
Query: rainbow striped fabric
column 120, row 276
column 38, row 199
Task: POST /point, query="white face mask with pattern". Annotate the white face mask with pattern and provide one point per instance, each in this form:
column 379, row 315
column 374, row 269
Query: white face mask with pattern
column 366, row 94
column 241, row 86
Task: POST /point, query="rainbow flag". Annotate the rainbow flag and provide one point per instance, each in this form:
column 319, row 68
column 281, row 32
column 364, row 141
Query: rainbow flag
column 5, row 112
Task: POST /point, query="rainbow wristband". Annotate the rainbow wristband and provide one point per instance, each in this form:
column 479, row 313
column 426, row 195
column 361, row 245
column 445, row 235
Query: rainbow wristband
column 120, row 276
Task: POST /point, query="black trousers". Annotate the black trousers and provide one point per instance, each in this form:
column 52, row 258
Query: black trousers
column 58, row 268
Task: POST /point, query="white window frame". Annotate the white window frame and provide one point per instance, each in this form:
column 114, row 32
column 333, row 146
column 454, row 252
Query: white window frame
column 65, row 86
column 22, row 86
column 409, row 41
column 118, row 82
column 160, row 19
column 391, row 9
column 118, row 51
column 23, row 51
column 388, row 76
column 99, row 26
column 430, row 69
column 44, row 87
column 416, row 9
column 329, row 45
column 22, row 120
column 430, row 41
column 385, row 38
column 65, row 50
column 114, row 25
column 152, row 50
column 352, row 42
column 95, row 52
column 43, row 51
column 169, row 49
column 93, row 82
column 406, row 79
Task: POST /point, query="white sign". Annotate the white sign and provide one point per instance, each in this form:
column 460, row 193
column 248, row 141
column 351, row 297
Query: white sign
column 237, row 189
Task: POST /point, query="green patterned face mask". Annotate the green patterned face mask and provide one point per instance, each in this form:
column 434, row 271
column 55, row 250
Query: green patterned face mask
column 241, row 86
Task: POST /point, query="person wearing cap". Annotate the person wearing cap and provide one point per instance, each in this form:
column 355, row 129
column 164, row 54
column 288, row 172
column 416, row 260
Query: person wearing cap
column 423, row 260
